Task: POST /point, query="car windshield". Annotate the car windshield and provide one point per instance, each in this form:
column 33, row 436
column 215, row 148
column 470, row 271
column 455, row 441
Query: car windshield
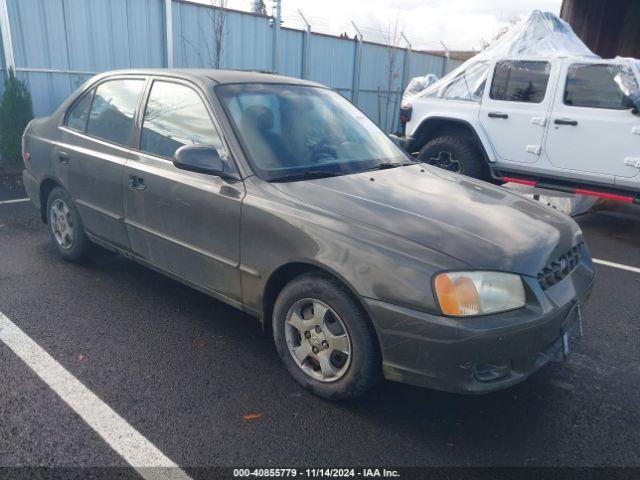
column 292, row 132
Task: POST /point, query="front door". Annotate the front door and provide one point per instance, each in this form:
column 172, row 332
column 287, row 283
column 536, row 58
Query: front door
column 592, row 128
column 514, row 109
column 95, row 145
column 184, row 222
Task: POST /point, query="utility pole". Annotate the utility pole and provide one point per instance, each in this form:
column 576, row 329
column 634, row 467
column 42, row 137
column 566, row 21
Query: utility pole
column 7, row 42
column 406, row 67
column 445, row 64
column 306, row 40
column 168, row 18
column 276, row 36
column 356, row 65
column 406, row 71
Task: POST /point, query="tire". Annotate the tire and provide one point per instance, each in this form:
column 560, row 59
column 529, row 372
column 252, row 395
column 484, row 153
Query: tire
column 70, row 242
column 356, row 372
column 455, row 152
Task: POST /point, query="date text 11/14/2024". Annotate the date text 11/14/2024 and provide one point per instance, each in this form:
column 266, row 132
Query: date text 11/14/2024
column 316, row 472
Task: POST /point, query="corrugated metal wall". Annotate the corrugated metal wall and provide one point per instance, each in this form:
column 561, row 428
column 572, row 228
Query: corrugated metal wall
column 58, row 44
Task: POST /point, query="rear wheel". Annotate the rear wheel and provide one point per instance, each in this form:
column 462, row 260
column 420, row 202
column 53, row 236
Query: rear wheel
column 65, row 226
column 324, row 338
column 456, row 155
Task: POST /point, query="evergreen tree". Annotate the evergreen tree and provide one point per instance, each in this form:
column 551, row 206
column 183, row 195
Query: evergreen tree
column 16, row 111
column 258, row 6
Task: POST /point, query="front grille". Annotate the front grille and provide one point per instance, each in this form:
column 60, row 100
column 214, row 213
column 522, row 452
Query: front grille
column 560, row 268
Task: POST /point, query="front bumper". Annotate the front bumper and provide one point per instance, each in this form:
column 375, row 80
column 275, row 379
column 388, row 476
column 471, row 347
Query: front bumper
column 481, row 354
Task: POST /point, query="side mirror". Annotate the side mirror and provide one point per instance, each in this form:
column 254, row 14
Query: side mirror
column 200, row 159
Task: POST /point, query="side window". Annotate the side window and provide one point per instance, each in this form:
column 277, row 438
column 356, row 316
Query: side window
column 77, row 116
column 516, row 81
column 175, row 116
column 600, row 86
column 112, row 110
column 468, row 85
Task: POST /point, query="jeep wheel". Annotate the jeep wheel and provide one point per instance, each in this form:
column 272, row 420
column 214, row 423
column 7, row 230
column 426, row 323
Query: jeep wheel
column 455, row 155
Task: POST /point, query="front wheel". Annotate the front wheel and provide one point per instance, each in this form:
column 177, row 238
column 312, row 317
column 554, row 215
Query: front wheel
column 324, row 338
column 456, row 155
column 65, row 226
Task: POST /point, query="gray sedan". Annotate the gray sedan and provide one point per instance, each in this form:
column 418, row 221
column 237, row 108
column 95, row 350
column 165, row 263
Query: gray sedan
column 281, row 198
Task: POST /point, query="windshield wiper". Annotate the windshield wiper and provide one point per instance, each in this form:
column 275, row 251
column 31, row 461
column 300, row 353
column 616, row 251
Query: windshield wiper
column 306, row 174
column 387, row 165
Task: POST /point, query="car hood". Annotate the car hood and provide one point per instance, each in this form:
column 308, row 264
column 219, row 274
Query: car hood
column 485, row 226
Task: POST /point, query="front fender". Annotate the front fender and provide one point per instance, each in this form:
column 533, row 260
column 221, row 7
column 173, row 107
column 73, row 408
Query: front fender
column 277, row 230
column 450, row 111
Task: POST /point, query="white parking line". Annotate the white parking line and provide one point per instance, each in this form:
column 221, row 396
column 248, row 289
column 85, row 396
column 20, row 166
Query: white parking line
column 136, row 450
column 16, row 200
column 616, row 265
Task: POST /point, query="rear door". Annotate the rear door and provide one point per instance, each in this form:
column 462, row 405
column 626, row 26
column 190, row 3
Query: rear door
column 514, row 109
column 96, row 138
column 183, row 222
column 592, row 129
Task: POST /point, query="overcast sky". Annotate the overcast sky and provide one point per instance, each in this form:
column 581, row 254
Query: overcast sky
column 460, row 24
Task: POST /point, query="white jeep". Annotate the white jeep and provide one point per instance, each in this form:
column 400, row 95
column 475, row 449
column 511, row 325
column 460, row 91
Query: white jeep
column 566, row 123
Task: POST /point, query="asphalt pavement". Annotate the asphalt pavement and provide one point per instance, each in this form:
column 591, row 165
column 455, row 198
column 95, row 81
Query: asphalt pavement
column 200, row 381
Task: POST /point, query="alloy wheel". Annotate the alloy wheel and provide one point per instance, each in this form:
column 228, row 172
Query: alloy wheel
column 318, row 340
column 62, row 224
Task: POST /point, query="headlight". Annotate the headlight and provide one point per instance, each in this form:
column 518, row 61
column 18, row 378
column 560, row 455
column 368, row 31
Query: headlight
column 478, row 293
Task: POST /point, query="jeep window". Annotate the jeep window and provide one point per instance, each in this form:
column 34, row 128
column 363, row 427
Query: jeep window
column 610, row 87
column 112, row 109
column 467, row 85
column 79, row 113
column 520, row 81
column 293, row 131
column 175, row 115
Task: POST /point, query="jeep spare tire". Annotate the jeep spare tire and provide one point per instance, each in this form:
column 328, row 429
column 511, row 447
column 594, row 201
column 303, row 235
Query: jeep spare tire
column 456, row 155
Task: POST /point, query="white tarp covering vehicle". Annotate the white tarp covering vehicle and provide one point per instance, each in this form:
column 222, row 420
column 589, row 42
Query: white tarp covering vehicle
column 539, row 108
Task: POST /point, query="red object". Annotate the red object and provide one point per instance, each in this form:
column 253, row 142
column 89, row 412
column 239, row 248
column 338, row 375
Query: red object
column 578, row 191
column 405, row 113
column 608, row 196
column 530, row 183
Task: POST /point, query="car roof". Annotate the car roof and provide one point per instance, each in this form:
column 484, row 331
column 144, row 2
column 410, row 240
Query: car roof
column 217, row 76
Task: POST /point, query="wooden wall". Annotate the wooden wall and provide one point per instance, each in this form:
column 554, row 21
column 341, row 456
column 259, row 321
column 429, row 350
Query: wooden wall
column 608, row 27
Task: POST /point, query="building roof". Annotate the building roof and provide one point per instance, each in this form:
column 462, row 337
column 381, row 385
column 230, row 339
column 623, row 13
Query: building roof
column 461, row 55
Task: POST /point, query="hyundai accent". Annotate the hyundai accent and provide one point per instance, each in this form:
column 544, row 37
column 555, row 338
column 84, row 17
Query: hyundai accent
column 281, row 198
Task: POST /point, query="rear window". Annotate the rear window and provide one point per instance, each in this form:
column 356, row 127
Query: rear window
column 525, row 82
column 112, row 110
column 79, row 113
column 600, row 86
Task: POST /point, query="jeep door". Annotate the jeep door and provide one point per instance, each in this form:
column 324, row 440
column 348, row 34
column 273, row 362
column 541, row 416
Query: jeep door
column 592, row 129
column 95, row 142
column 185, row 223
column 514, row 109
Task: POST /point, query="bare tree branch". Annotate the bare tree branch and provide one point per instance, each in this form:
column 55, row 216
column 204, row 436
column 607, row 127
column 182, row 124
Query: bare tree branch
column 185, row 40
column 486, row 43
column 217, row 17
column 392, row 32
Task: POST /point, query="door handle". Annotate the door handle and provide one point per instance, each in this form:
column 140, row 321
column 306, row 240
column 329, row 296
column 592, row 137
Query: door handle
column 136, row 183
column 565, row 121
column 498, row 115
column 63, row 157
